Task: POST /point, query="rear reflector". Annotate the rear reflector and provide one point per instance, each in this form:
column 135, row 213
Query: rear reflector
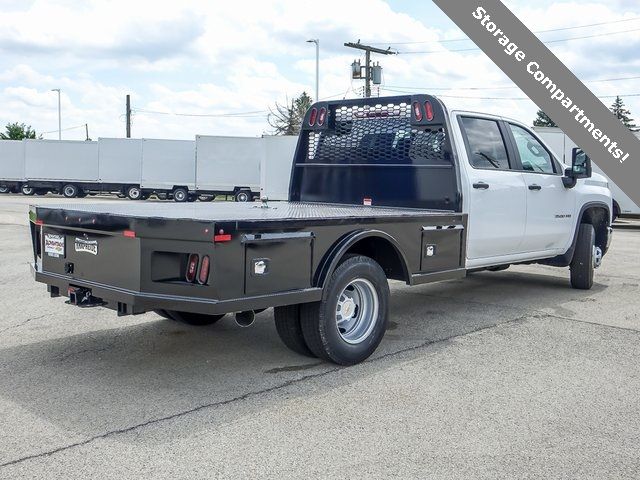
column 428, row 108
column 417, row 111
column 192, row 267
column 129, row 234
column 203, row 276
column 222, row 238
column 313, row 116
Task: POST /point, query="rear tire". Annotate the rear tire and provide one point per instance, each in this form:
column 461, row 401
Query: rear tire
column 180, row 195
column 5, row 189
column 196, row 319
column 70, row 191
column 26, row 190
column 582, row 264
column 287, row 321
column 134, row 193
column 348, row 324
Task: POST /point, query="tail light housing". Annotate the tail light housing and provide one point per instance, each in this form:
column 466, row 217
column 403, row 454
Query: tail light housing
column 203, row 276
column 428, row 108
column 192, row 267
column 417, row 111
column 313, row 116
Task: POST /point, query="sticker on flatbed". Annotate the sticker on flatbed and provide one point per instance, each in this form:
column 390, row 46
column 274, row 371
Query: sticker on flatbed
column 87, row 246
column 54, row 245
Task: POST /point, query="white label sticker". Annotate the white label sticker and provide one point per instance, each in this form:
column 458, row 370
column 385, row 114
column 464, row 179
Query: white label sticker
column 54, row 245
column 88, row 246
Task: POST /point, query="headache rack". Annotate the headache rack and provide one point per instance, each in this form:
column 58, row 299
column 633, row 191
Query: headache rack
column 393, row 151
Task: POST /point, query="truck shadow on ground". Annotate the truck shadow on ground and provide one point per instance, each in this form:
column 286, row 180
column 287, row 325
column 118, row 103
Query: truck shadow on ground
column 111, row 379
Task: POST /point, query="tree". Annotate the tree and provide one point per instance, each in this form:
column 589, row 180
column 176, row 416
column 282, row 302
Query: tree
column 622, row 113
column 18, row 131
column 287, row 119
column 543, row 120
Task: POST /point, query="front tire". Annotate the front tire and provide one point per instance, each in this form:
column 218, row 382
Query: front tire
column 196, row 319
column 243, row 196
column 583, row 262
column 348, row 324
column 134, row 193
column 27, row 190
column 287, row 320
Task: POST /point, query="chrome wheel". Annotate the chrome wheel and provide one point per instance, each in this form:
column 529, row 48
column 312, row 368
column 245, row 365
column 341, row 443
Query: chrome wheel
column 357, row 311
column 597, row 256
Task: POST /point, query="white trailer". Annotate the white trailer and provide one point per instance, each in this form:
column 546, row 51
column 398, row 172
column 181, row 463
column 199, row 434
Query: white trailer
column 11, row 165
column 229, row 166
column 120, row 166
column 169, row 167
column 62, row 166
column 275, row 170
column 563, row 146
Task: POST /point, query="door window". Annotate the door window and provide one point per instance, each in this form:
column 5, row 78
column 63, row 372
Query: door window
column 533, row 156
column 486, row 147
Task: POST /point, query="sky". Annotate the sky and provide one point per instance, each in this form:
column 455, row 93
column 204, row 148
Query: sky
column 199, row 67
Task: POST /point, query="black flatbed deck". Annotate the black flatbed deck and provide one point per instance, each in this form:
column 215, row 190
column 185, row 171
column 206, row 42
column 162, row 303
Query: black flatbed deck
column 60, row 214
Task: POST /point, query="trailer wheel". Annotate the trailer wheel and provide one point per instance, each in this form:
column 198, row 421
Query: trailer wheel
column 243, row 196
column 4, row 189
column 134, row 192
column 70, row 190
column 27, row 190
column 180, row 195
column 348, row 324
column 197, row 319
column 287, row 321
column 586, row 258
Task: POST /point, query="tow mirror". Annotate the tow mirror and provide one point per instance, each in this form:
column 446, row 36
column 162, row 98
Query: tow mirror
column 580, row 168
column 580, row 164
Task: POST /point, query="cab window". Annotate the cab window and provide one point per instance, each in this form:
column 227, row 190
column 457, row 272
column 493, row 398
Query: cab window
column 533, row 156
column 485, row 144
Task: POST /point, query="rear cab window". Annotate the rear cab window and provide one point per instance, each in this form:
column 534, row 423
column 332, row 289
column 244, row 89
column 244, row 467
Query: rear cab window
column 485, row 143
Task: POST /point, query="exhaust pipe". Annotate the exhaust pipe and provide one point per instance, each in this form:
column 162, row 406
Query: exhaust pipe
column 245, row 319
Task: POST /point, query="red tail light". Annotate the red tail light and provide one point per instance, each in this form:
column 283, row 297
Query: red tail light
column 192, row 267
column 313, row 116
column 322, row 116
column 203, row 276
column 129, row 234
column 417, row 111
column 428, row 108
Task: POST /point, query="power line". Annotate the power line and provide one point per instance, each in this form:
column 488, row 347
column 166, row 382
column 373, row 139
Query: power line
column 503, row 87
column 256, row 113
column 508, row 98
column 547, row 42
column 65, row 129
column 536, row 31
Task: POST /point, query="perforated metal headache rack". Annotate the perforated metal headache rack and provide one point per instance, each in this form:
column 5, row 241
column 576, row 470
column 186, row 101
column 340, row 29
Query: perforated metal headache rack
column 385, row 142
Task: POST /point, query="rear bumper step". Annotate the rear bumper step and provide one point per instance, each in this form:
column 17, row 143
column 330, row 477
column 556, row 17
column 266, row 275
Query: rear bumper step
column 129, row 302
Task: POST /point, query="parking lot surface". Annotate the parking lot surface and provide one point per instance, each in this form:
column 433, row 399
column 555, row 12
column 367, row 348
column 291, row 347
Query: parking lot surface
column 501, row 375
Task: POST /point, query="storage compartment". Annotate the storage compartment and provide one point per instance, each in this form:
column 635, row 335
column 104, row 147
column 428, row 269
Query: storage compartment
column 441, row 248
column 277, row 262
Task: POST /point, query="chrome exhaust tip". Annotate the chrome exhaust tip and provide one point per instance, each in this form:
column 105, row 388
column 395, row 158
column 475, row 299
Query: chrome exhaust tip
column 245, row 319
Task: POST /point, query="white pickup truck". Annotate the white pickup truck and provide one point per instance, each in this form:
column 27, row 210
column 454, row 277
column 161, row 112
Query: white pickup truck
column 388, row 188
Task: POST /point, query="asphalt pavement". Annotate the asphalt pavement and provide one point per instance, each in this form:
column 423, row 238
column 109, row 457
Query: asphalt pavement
column 501, row 375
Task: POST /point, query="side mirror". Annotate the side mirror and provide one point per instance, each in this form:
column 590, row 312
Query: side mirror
column 580, row 164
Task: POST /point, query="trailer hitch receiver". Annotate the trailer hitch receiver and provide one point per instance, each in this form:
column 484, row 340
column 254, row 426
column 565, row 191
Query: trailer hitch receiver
column 81, row 297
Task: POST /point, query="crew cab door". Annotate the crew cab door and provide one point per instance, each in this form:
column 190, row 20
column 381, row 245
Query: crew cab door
column 495, row 194
column 550, row 206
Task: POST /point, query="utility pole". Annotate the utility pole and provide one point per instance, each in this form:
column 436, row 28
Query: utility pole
column 86, row 129
column 59, row 114
column 367, row 67
column 317, row 42
column 128, row 115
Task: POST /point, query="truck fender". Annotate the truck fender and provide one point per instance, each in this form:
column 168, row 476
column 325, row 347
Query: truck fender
column 565, row 259
column 332, row 258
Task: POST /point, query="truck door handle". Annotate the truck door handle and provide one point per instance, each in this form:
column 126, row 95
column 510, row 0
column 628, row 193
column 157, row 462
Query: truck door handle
column 481, row 186
column 535, row 187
